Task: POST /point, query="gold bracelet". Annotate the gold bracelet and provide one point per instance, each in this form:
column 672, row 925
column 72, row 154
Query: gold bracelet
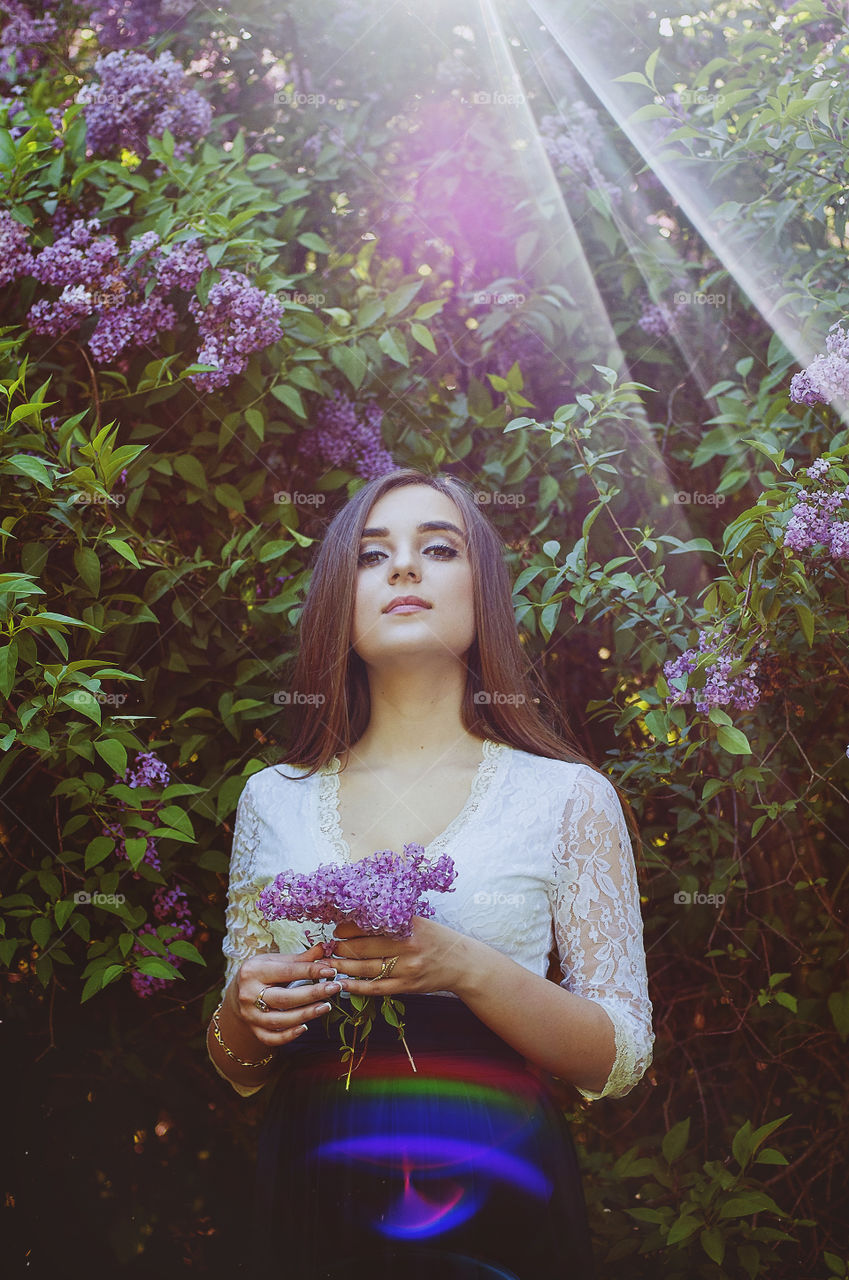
column 263, row 1062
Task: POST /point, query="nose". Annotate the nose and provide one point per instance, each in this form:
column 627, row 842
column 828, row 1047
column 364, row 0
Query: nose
column 403, row 563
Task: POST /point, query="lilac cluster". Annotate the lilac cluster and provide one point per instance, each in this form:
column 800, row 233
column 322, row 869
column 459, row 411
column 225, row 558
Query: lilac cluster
column 827, row 376
column 345, row 436
column 237, row 320
column 380, row 894
column 170, row 906
column 721, row 688
column 813, row 520
column 148, row 771
column 572, row 141
column 139, row 96
column 15, row 257
column 657, row 318
column 97, row 278
column 22, row 36
column 125, row 23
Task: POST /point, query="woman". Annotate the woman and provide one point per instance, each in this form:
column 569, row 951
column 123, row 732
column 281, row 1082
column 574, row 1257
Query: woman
column 421, row 725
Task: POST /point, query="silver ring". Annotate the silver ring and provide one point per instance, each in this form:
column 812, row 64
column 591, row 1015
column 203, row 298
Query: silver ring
column 260, row 1003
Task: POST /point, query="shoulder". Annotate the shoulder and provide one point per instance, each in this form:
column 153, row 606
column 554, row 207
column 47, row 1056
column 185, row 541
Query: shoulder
column 272, row 783
column 568, row 776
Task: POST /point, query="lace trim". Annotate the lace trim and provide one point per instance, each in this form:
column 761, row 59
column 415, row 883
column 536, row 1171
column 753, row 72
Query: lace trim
column 330, row 824
column 245, row 935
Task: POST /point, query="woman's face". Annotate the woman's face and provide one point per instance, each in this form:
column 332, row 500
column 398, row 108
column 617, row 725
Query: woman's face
column 413, row 545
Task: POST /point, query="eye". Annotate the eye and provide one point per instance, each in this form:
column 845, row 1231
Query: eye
column 441, row 549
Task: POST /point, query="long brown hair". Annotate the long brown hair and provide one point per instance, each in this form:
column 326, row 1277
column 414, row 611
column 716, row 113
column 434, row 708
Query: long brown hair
column 331, row 679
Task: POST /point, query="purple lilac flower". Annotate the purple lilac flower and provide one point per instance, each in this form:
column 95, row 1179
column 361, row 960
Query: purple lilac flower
column 237, row 320
column 135, row 325
column 380, row 894
column 125, row 23
column 148, row 771
column 657, row 318
column 22, row 36
column 572, row 141
column 348, row 436
column 170, row 906
column 813, row 517
column 139, row 96
column 15, row 257
column 827, row 376
column 721, row 687
column 181, row 266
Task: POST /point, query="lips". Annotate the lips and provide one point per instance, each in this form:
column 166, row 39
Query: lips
column 401, row 601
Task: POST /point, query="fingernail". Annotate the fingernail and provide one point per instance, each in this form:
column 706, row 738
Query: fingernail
column 324, row 1008
column 328, row 973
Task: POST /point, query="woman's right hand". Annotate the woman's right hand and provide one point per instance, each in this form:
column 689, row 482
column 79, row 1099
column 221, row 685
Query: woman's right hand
column 290, row 1009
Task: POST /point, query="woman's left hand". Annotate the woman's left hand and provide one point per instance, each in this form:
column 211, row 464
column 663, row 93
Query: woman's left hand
column 433, row 958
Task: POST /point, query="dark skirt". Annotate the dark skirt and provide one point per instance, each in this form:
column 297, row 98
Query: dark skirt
column 463, row 1170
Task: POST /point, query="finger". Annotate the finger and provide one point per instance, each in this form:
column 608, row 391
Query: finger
column 278, row 1027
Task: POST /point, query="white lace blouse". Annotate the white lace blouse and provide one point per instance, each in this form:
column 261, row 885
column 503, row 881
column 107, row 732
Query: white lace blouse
column 543, row 858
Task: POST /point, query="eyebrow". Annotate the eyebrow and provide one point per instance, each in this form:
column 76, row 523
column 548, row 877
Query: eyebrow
column 428, row 527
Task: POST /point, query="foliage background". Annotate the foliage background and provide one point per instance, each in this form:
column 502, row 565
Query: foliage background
column 479, row 228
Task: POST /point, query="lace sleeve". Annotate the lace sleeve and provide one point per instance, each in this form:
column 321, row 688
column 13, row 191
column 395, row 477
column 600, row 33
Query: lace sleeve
column 245, row 934
column 598, row 928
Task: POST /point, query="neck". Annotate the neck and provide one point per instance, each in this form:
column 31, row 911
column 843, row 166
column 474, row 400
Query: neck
column 415, row 716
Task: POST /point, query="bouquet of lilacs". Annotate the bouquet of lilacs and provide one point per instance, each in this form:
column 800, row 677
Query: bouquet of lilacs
column 380, row 894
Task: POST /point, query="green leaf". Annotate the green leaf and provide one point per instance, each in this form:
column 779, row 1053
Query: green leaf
column 401, row 297
column 123, row 549
column 733, row 740
column 291, row 397
column 189, row 468
column 674, row 1142
column 713, row 1244
column 8, row 666
column 113, row 752
column 87, row 565
column 392, row 344
column 311, row 240
column 228, row 496
column 740, row 1206
column 352, row 362
column 838, row 1007
column 423, row 337
column 155, row 967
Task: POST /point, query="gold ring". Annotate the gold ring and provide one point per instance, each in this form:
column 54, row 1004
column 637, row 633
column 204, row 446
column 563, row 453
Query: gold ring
column 260, row 1003
column 388, row 966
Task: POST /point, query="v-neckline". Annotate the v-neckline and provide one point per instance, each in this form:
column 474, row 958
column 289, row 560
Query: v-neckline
column 330, row 822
